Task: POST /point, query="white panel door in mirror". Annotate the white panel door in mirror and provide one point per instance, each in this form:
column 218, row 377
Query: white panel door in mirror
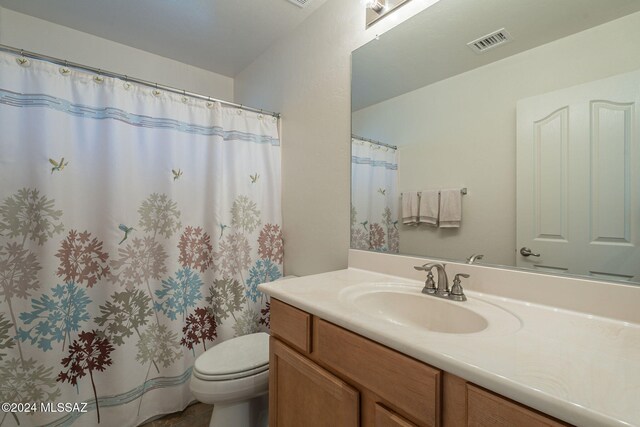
column 578, row 182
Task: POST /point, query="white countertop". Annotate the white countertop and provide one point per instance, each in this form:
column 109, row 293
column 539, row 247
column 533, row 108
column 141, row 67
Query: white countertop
column 580, row 368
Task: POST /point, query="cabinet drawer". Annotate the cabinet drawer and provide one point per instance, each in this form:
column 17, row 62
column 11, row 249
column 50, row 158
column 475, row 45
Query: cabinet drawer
column 412, row 386
column 487, row 409
column 291, row 325
column 387, row 418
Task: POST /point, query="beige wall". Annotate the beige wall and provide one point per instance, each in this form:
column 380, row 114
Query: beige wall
column 462, row 132
column 29, row 33
column 306, row 76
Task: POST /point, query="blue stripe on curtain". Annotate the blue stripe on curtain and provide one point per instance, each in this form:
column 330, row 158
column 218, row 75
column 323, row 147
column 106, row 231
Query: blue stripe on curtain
column 374, row 163
column 16, row 99
column 127, row 397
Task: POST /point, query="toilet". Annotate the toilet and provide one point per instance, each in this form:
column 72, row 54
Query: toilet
column 234, row 377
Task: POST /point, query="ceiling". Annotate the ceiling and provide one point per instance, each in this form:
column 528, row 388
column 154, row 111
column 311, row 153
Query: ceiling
column 223, row 36
column 432, row 45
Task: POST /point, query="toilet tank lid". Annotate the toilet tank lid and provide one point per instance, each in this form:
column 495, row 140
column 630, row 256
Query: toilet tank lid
column 235, row 355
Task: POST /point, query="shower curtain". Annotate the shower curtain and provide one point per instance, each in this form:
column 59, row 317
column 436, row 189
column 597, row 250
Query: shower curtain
column 135, row 226
column 374, row 197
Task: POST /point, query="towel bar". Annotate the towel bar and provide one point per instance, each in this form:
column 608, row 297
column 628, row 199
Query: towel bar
column 463, row 191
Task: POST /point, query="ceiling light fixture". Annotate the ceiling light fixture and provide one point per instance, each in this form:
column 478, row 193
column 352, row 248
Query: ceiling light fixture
column 377, row 9
column 376, row 5
column 301, row 3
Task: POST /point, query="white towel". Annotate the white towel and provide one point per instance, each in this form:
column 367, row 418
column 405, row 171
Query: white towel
column 429, row 206
column 410, row 204
column 450, row 208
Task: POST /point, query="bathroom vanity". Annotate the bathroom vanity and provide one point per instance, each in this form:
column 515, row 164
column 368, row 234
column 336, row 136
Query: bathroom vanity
column 325, row 375
column 337, row 360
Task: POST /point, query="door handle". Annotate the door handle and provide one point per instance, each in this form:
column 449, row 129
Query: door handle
column 527, row 252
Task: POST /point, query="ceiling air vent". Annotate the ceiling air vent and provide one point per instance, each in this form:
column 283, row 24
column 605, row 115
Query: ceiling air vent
column 301, row 3
column 484, row 43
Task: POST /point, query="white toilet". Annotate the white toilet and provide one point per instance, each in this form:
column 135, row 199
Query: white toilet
column 234, row 377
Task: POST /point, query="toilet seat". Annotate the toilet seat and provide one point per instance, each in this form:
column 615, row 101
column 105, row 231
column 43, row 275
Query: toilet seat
column 232, row 376
column 237, row 358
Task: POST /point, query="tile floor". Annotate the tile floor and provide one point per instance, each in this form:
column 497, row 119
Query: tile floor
column 196, row 415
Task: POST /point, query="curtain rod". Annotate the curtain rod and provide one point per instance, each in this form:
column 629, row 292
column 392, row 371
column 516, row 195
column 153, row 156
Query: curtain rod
column 124, row 77
column 393, row 147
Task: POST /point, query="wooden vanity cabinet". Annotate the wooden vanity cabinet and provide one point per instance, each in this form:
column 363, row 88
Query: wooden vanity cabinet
column 324, row 375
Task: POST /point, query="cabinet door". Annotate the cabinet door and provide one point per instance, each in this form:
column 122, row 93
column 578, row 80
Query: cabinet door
column 387, row 418
column 303, row 394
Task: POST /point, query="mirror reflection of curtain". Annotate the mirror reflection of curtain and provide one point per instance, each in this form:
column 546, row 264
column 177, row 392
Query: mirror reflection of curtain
column 374, row 197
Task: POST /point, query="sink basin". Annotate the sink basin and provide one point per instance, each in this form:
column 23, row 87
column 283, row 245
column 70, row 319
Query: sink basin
column 403, row 304
column 434, row 314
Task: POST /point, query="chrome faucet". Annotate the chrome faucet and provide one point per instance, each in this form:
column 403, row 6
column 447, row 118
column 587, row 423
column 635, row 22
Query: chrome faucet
column 473, row 258
column 443, row 281
column 442, row 290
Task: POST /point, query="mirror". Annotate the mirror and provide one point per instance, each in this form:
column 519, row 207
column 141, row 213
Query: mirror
column 532, row 106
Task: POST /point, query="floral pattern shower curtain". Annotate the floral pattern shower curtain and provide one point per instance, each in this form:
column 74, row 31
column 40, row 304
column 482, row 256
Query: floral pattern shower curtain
column 135, row 226
column 374, row 197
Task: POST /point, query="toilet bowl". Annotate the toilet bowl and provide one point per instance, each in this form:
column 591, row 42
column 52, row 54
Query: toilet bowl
column 233, row 376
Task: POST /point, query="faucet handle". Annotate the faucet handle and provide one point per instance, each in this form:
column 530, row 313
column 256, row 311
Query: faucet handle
column 429, row 285
column 457, row 293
